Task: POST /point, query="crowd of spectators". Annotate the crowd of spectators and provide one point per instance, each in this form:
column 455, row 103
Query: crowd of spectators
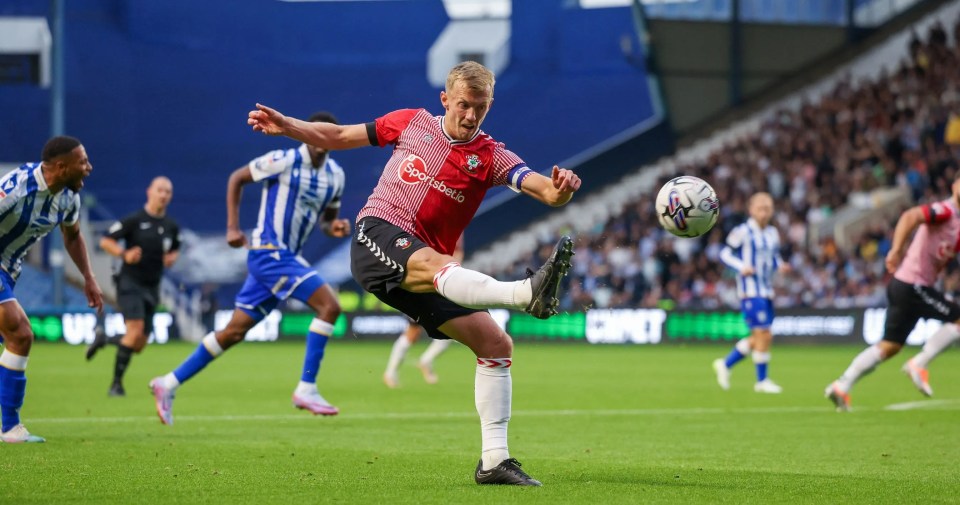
column 860, row 136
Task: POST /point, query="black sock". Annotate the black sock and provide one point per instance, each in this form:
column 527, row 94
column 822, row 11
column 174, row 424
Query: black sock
column 123, row 361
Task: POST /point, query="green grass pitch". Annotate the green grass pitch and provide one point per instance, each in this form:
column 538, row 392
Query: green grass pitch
column 597, row 424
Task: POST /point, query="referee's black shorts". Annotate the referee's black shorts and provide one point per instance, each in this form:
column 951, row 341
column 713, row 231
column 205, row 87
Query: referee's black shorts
column 908, row 303
column 137, row 300
column 378, row 260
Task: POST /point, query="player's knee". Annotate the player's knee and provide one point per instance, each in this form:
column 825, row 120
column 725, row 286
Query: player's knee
column 329, row 311
column 19, row 340
column 22, row 336
column 230, row 336
column 140, row 345
column 889, row 349
column 499, row 347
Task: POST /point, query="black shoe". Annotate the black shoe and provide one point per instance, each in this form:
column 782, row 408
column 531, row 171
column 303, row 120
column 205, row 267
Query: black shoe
column 507, row 472
column 99, row 342
column 546, row 281
column 116, row 389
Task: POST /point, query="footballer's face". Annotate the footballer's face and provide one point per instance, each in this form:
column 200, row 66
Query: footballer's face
column 74, row 167
column 316, row 154
column 465, row 110
column 761, row 209
column 159, row 194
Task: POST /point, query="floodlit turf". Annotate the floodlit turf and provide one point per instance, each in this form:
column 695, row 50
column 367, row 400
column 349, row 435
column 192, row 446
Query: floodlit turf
column 599, row 425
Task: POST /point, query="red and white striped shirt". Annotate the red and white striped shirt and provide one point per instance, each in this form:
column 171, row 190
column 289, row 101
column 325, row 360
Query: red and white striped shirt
column 935, row 243
column 433, row 184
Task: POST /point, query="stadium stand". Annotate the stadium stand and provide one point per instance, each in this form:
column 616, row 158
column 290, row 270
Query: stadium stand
column 862, row 140
column 39, row 296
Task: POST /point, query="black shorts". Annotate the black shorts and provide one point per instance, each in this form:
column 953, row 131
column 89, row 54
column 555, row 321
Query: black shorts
column 137, row 301
column 378, row 260
column 908, row 303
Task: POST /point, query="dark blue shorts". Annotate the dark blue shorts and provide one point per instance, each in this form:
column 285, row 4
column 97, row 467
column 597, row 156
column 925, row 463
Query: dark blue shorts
column 6, row 286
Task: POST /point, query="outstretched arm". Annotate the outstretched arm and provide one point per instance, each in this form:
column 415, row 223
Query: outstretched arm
column 238, row 179
column 76, row 247
column 555, row 190
column 327, row 136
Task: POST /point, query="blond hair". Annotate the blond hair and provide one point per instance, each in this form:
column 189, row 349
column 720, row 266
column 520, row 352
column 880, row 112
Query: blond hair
column 476, row 76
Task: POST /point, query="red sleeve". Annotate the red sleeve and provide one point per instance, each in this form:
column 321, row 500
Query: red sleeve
column 504, row 164
column 391, row 125
column 936, row 213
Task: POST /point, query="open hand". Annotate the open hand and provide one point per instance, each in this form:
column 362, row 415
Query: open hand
column 94, row 296
column 266, row 120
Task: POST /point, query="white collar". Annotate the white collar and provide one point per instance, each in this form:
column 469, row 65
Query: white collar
column 41, row 180
column 450, row 139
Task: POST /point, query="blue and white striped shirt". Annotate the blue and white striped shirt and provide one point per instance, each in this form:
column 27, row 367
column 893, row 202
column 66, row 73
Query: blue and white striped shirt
column 28, row 212
column 294, row 196
column 749, row 245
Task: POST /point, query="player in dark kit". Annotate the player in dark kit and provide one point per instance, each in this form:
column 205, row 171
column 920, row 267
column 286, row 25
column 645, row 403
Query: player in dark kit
column 151, row 243
column 430, row 189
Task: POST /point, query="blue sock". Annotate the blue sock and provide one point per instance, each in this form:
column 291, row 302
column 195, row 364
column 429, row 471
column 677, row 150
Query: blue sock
column 761, row 372
column 13, row 387
column 734, row 357
column 316, row 343
column 200, row 358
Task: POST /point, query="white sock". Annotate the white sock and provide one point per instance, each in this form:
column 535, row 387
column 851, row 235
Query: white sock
column 170, row 381
column 743, row 346
column 12, row 361
column 760, row 357
column 306, row 388
column 863, row 364
column 477, row 290
column 946, row 335
column 210, row 342
column 492, row 392
column 435, row 349
column 399, row 351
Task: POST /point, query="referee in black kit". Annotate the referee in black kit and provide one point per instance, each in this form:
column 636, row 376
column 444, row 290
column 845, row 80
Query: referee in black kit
column 151, row 242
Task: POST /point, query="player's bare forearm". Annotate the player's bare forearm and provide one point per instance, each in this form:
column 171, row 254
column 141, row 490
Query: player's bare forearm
column 322, row 135
column 556, row 190
column 76, row 247
column 235, row 183
column 327, row 136
column 906, row 225
column 560, row 198
column 111, row 247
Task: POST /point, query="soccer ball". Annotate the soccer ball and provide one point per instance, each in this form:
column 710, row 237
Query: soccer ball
column 687, row 206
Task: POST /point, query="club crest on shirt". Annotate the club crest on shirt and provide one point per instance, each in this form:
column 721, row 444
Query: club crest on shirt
column 428, row 138
column 402, row 243
column 473, row 163
column 8, row 186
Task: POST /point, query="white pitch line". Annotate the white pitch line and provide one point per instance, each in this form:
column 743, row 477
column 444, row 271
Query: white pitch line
column 695, row 411
column 924, row 404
